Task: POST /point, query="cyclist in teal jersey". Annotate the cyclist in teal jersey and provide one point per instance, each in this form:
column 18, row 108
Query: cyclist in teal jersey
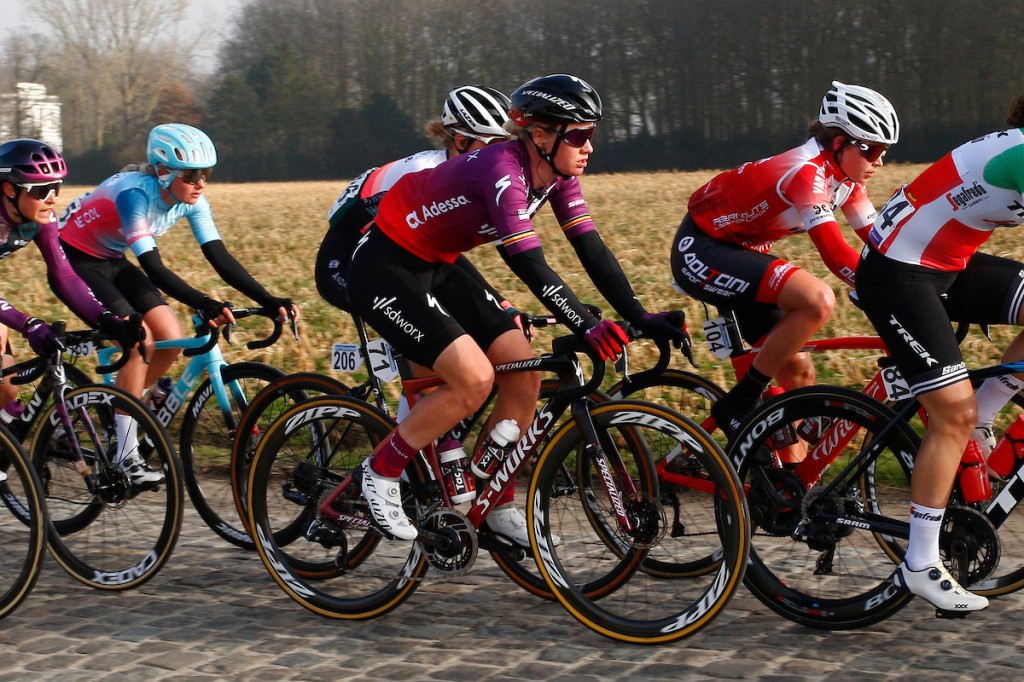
column 127, row 212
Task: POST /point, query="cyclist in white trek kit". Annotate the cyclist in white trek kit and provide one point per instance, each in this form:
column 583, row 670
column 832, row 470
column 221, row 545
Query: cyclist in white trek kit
column 920, row 271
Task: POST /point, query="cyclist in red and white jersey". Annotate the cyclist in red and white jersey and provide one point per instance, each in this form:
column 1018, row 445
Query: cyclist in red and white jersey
column 721, row 252
column 922, row 270
column 403, row 282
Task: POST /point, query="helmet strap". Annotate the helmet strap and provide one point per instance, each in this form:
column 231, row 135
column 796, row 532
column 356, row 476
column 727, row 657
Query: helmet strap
column 550, row 156
column 14, row 203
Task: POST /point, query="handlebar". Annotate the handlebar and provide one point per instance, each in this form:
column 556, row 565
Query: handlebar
column 30, row 370
column 239, row 314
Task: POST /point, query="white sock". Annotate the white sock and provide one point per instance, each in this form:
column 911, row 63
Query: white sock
column 403, row 409
column 923, row 548
column 993, row 394
column 126, row 430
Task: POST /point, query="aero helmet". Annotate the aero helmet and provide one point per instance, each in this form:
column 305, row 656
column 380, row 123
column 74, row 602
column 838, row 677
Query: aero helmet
column 555, row 99
column 861, row 112
column 476, row 111
column 179, row 146
column 25, row 162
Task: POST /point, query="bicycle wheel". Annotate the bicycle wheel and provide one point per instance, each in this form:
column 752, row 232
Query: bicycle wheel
column 803, row 565
column 685, row 392
column 594, row 568
column 134, row 533
column 263, row 409
column 295, row 466
column 208, row 431
column 24, row 534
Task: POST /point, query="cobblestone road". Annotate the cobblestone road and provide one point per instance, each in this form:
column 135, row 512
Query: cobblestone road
column 214, row 613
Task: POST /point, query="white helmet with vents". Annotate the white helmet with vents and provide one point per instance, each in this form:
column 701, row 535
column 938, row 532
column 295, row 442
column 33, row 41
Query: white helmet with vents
column 863, row 113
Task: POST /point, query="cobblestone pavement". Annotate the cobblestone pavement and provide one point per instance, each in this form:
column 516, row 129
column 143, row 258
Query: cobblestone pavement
column 214, row 613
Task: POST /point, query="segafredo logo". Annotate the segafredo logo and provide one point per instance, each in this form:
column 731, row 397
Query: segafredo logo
column 415, row 219
column 395, row 315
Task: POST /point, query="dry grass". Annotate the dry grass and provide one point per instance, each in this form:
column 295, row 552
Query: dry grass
column 275, row 230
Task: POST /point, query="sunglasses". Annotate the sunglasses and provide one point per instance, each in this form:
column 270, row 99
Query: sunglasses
column 871, row 152
column 577, row 137
column 42, row 191
column 191, row 176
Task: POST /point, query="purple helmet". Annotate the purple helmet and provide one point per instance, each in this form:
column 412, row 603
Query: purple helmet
column 27, row 161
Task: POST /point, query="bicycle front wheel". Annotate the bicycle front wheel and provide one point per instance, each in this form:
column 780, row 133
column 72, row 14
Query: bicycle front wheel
column 24, row 531
column 136, row 528
column 338, row 568
column 596, row 516
column 805, row 565
column 208, row 431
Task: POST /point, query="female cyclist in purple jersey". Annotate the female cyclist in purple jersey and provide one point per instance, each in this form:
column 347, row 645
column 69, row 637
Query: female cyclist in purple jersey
column 403, row 282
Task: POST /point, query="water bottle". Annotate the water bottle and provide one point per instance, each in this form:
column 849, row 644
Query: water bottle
column 813, row 428
column 461, row 487
column 974, row 483
column 1004, row 456
column 503, row 436
column 12, row 411
column 158, row 393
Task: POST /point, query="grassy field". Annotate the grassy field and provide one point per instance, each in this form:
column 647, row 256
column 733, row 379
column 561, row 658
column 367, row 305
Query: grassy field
column 275, row 229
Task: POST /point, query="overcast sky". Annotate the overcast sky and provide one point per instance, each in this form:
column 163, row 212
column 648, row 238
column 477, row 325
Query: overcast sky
column 210, row 14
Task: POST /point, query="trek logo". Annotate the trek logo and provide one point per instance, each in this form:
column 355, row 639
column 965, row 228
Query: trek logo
column 414, row 219
column 966, row 196
column 396, row 316
column 912, row 342
column 561, row 302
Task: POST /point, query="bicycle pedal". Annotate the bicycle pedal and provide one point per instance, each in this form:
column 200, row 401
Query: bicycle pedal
column 943, row 613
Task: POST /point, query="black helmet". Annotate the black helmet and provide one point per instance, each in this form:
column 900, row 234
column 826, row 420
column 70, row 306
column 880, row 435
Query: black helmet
column 555, row 99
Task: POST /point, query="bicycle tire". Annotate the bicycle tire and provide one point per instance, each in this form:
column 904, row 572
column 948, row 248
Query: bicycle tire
column 290, row 474
column 263, row 409
column 598, row 583
column 24, row 536
column 208, row 431
column 134, row 535
column 833, row 577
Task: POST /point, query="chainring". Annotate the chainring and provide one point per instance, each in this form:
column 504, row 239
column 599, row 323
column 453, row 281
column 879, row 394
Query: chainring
column 969, row 537
column 460, row 553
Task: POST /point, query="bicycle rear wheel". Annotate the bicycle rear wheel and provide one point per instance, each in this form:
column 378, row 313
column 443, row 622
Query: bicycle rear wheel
column 136, row 529
column 803, row 565
column 264, row 408
column 594, row 567
column 339, row 568
column 208, row 431
column 23, row 533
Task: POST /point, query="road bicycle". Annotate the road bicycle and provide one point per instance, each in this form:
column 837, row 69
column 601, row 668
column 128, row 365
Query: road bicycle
column 593, row 488
column 22, row 523
column 105, row 531
column 830, row 529
column 214, row 393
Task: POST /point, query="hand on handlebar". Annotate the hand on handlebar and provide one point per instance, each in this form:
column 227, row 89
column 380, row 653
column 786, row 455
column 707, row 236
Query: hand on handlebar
column 41, row 337
column 607, row 338
column 669, row 325
column 128, row 333
column 216, row 313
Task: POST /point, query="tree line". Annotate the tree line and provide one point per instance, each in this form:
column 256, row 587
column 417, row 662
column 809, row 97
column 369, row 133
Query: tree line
column 312, row 89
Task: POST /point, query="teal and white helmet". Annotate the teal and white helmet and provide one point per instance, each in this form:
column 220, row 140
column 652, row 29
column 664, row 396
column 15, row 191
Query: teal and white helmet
column 179, row 146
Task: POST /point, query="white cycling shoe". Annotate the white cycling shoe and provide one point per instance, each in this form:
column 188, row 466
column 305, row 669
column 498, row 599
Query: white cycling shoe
column 934, row 583
column 510, row 523
column 384, row 495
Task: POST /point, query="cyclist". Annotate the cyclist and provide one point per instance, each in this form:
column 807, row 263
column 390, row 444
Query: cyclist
column 721, row 252
column 31, row 173
column 471, row 118
column 127, row 212
column 921, row 270
column 403, row 282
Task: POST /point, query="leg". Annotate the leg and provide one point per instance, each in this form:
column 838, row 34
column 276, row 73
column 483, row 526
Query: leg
column 160, row 323
column 8, row 391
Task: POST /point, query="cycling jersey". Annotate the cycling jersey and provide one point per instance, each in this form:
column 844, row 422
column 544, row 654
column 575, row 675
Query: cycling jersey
column 65, row 283
column 127, row 212
column 941, row 218
column 763, row 201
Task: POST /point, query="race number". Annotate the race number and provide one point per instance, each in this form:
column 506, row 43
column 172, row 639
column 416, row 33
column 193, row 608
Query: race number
column 896, row 387
column 382, row 362
column 345, row 357
column 717, row 335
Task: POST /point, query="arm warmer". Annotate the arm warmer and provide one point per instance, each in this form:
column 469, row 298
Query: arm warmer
column 837, row 255
column 606, row 273
column 531, row 267
column 232, row 272
column 168, row 281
